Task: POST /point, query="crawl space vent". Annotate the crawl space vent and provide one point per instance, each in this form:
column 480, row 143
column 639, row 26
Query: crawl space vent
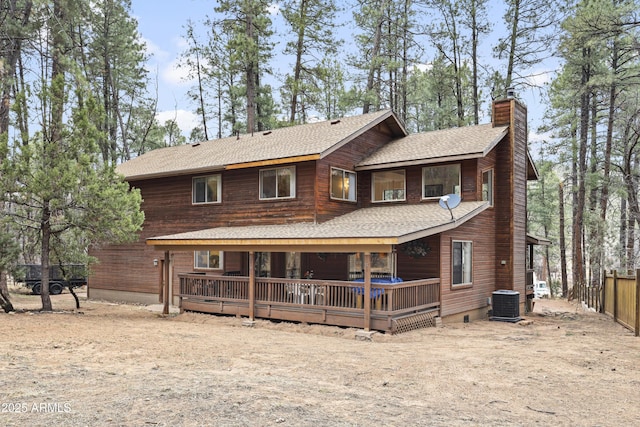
column 506, row 306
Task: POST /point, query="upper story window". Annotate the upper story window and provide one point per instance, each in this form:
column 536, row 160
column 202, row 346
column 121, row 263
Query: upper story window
column 278, row 183
column 388, row 186
column 438, row 181
column 462, row 263
column 207, row 189
column 207, row 259
column 343, row 185
column 487, row 186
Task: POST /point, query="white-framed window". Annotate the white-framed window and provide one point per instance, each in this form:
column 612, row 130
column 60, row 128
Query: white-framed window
column 343, row 184
column 211, row 260
column 462, row 262
column 388, row 186
column 438, row 181
column 487, row 186
column 207, row 189
column 278, row 183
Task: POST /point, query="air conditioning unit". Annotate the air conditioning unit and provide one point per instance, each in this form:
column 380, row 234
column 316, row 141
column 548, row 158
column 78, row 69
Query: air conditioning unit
column 506, row 305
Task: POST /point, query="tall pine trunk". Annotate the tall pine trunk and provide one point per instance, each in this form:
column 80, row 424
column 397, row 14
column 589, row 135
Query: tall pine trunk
column 250, row 75
column 45, row 224
column 578, row 219
column 373, row 61
column 298, row 66
column 563, row 242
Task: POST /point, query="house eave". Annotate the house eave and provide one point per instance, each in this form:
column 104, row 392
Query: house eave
column 274, row 162
column 416, row 162
column 300, row 242
column 277, row 245
column 169, row 174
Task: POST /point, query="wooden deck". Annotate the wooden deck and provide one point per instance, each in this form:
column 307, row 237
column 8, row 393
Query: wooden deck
column 326, row 302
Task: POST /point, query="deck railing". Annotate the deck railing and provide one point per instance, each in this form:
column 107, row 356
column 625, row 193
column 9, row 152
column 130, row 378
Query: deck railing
column 311, row 295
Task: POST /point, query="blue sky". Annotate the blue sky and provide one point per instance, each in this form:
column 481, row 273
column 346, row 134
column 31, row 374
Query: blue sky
column 162, row 27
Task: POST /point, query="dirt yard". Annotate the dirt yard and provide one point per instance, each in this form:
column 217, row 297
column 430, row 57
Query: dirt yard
column 127, row 365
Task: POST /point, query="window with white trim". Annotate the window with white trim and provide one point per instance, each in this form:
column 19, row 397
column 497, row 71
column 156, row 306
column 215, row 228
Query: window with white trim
column 211, row 260
column 388, row 186
column 462, row 262
column 207, row 189
column 487, row 186
column 343, row 184
column 278, row 183
column 438, row 181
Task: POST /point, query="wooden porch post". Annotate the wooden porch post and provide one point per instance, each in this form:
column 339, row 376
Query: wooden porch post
column 161, row 282
column 166, row 293
column 367, row 291
column 252, row 284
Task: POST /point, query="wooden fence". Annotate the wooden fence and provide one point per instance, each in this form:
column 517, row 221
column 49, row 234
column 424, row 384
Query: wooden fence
column 622, row 299
column 618, row 296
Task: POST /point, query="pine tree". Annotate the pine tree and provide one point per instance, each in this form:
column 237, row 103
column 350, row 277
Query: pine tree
column 249, row 47
column 55, row 186
column 113, row 58
column 313, row 28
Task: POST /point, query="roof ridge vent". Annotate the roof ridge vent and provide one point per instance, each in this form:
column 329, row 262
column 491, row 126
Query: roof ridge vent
column 335, row 122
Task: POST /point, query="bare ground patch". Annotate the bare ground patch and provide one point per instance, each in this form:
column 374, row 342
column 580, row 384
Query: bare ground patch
column 111, row 364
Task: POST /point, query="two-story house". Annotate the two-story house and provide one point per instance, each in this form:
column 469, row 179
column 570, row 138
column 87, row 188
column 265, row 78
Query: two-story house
column 340, row 222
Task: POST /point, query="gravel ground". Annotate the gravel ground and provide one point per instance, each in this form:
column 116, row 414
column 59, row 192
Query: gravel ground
column 127, row 365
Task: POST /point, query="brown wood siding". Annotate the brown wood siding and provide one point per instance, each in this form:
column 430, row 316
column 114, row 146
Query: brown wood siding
column 420, row 268
column 456, row 300
column 511, row 196
column 345, row 158
column 168, row 210
column 326, row 266
column 520, row 199
column 497, row 234
column 413, row 176
column 469, row 178
column 236, row 261
column 501, row 113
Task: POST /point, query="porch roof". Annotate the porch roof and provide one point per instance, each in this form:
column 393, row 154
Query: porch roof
column 374, row 229
column 535, row 240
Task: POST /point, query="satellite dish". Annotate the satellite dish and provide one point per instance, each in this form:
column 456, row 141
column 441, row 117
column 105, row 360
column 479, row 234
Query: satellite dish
column 450, row 201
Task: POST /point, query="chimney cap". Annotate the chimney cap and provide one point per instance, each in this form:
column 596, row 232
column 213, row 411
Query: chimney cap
column 511, row 92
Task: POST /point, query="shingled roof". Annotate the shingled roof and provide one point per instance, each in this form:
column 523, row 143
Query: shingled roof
column 303, row 142
column 437, row 146
column 375, row 226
